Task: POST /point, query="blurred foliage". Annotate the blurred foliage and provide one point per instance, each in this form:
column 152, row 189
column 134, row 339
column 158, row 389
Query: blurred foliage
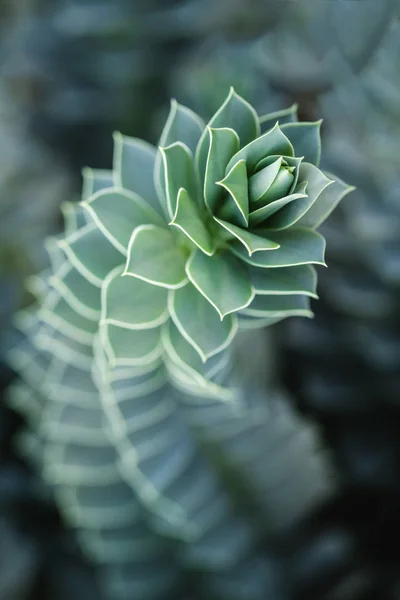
column 71, row 72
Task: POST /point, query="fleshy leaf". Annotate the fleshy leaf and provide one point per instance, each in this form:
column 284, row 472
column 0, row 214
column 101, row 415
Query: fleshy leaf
column 91, row 253
column 316, row 182
column 272, row 142
column 221, row 280
column 265, row 212
column 279, row 306
column 249, row 323
column 154, row 256
column 287, row 115
column 187, row 219
column 133, row 303
column 235, row 207
column 129, row 347
column 117, row 212
column 182, row 125
column 179, row 173
column 306, row 139
column 251, row 241
column 223, row 144
column 260, row 182
column 290, row 280
column 57, row 312
column 235, row 113
column 75, row 217
column 297, row 247
column 82, row 296
column 134, row 161
column 325, row 204
column 199, row 322
column 95, row 180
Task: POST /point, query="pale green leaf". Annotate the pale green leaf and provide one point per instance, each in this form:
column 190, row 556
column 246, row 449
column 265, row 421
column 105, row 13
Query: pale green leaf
column 57, row 312
column 265, row 212
column 82, row 295
column 188, row 220
column 297, row 247
column 75, row 217
column 289, row 280
column 272, row 142
column 199, row 323
column 287, row 115
column 306, row 139
column 179, row 173
column 130, row 347
column 91, row 253
column 223, row 144
column 260, row 182
column 95, row 180
column 235, row 207
column 222, row 281
column 134, row 161
column 325, row 204
column 279, row 306
column 133, row 303
column 251, row 241
column 235, row 113
column 117, row 212
column 247, row 323
column 154, row 256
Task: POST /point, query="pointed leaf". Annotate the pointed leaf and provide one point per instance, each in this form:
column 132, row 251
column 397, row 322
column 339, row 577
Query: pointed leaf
column 260, row 182
column 235, row 113
column 325, row 204
column 95, row 180
column 183, row 125
column 199, row 322
column 132, row 303
column 223, row 144
column 297, row 247
column 221, row 280
column 316, row 182
column 91, row 253
column 154, row 256
column 290, row 280
column 272, row 142
column 82, row 296
column 265, row 212
column 306, row 139
column 235, row 207
column 134, row 161
column 117, row 212
column 75, row 217
column 287, row 115
column 187, row 219
column 247, row 323
column 179, row 173
column 279, row 306
column 251, row 241
column 129, row 347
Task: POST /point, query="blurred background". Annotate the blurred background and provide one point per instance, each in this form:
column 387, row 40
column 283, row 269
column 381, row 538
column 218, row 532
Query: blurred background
column 74, row 71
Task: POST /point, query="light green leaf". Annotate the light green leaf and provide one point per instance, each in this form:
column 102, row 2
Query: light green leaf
column 289, row 280
column 199, row 322
column 134, row 161
column 95, row 180
column 235, row 113
column 183, row 125
column 58, row 313
column 272, row 142
column 287, row 115
column 251, row 241
column 221, row 280
column 132, row 303
column 235, row 207
column 179, row 173
column 248, row 323
column 187, row 219
column 306, row 139
column 75, row 217
column 154, row 256
column 117, row 212
column 82, row 296
column 316, row 182
column 325, row 204
column 260, row 182
column 223, row 144
column 265, row 212
column 91, row 253
column 279, row 306
column 130, row 347
column 297, row 247
column 55, row 252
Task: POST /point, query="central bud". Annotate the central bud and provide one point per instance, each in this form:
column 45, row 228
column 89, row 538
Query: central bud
column 273, row 179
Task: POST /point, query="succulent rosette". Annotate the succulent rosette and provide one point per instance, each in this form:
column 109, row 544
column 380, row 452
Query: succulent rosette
column 178, row 247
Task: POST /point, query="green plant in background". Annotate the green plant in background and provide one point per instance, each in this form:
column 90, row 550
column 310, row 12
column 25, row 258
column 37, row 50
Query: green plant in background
column 167, row 258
